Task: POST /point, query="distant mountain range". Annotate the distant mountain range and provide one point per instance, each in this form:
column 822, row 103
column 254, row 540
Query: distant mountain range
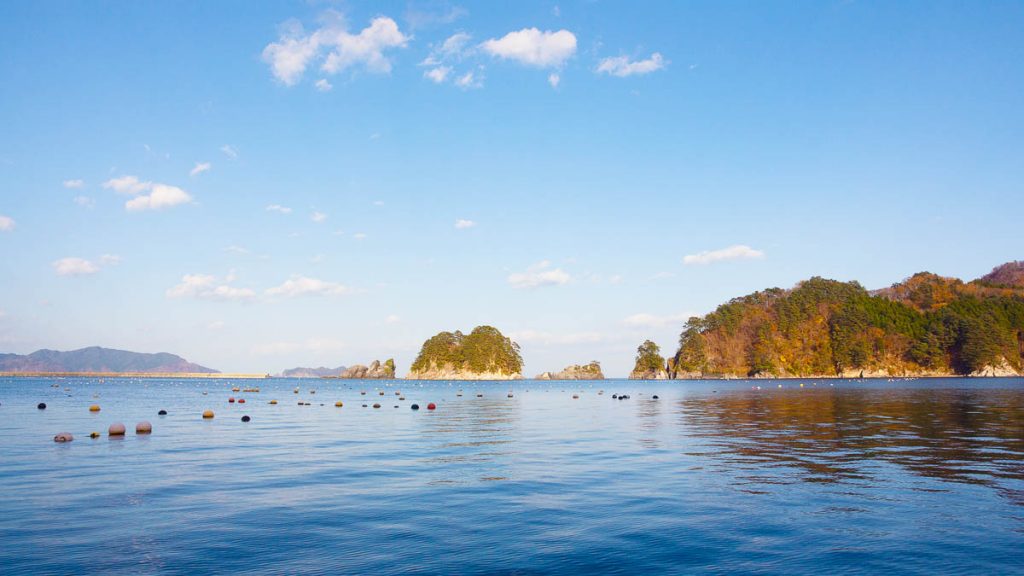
column 96, row 359
column 320, row 372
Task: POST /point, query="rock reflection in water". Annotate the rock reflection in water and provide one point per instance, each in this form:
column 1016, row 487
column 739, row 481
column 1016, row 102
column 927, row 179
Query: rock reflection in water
column 965, row 436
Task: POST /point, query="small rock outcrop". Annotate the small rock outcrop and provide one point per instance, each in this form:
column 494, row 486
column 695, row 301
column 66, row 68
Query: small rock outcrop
column 375, row 371
column 590, row 371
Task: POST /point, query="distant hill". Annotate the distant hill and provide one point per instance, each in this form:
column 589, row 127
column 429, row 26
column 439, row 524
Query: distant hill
column 925, row 325
column 96, row 359
column 1009, row 275
column 313, row 372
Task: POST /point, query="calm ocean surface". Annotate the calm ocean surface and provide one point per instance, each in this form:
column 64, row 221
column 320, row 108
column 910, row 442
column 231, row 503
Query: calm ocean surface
column 917, row 477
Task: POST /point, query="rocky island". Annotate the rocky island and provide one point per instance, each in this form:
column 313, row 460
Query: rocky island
column 926, row 325
column 590, row 371
column 483, row 354
column 649, row 365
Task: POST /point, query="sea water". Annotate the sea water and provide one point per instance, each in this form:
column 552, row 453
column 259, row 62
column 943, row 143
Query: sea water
column 815, row 476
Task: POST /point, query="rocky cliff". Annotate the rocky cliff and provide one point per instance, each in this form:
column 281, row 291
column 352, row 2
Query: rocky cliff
column 375, row 370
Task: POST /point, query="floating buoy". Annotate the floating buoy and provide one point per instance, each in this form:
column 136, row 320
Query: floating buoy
column 381, row 392
column 246, row 418
column 459, row 394
column 615, row 397
column 509, row 394
column 94, row 435
column 398, row 393
column 364, row 405
column 144, row 427
column 575, row 396
column 396, row 405
column 116, row 429
column 235, row 389
column 241, row 400
column 94, row 408
column 431, row 406
column 362, row 393
column 655, row 397
column 231, row 400
column 273, row 402
column 41, row 406
column 296, row 391
column 376, row 405
column 208, row 414
column 312, row 391
column 479, row 395
column 338, row 404
column 162, row 413
column 402, row 398
column 415, row 407
column 63, row 437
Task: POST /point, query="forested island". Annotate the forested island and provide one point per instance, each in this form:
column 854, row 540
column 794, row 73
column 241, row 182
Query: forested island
column 483, row 354
column 927, row 325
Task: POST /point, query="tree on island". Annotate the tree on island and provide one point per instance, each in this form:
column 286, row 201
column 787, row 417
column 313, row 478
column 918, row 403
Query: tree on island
column 650, row 365
column 484, row 350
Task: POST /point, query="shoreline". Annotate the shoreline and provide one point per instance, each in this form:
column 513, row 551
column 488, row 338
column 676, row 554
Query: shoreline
column 192, row 375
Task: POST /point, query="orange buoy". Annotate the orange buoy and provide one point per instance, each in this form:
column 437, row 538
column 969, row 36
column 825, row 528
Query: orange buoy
column 94, row 408
column 273, row 402
column 63, row 437
column 144, row 427
column 94, row 435
column 116, row 429
column 338, row 404
column 208, row 414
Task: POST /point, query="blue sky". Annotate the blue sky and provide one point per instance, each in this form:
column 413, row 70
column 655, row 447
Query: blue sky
column 257, row 186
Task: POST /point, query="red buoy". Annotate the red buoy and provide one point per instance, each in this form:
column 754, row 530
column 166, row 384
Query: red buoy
column 241, row 400
column 431, row 406
column 231, row 400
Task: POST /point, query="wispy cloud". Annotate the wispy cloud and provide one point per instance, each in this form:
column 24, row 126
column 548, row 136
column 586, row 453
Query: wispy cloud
column 622, row 66
column 305, row 286
column 538, row 275
column 6, row 224
column 318, row 217
column 334, row 46
column 737, row 252
column 72, row 266
column 322, row 85
column 279, row 209
column 462, row 224
column 208, row 287
column 74, row 184
column 644, row 320
column 84, row 201
column 229, row 151
column 199, row 168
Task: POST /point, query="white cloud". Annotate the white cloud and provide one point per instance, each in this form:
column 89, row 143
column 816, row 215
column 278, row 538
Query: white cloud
column 318, row 217
column 304, row 286
column 392, row 319
column 110, row 260
column 532, row 47
column 462, row 224
column 540, row 274
column 322, row 85
column 554, row 79
column 315, row 345
column 236, row 249
column 84, row 201
column 162, row 196
column 547, row 338
column 469, row 81
column 74, row 267
column 644, row 320
column 229, row 151
column 295, row 50
column 127, row 185
column 74, row 183
column 278, row 208
column 6, row 223
column 359, row 236
column 438, row 75
column 445, row 14
column 622, row 66
column 737, row 252
column 200, row 167
column 453, row 48
column 208, row 287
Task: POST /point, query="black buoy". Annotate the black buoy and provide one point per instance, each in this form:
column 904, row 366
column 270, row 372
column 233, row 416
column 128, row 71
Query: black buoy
column 415, row 406
column 615, row 396
column 246, row 418
column 162, row 413
column 655, row 396
column 42, row 406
